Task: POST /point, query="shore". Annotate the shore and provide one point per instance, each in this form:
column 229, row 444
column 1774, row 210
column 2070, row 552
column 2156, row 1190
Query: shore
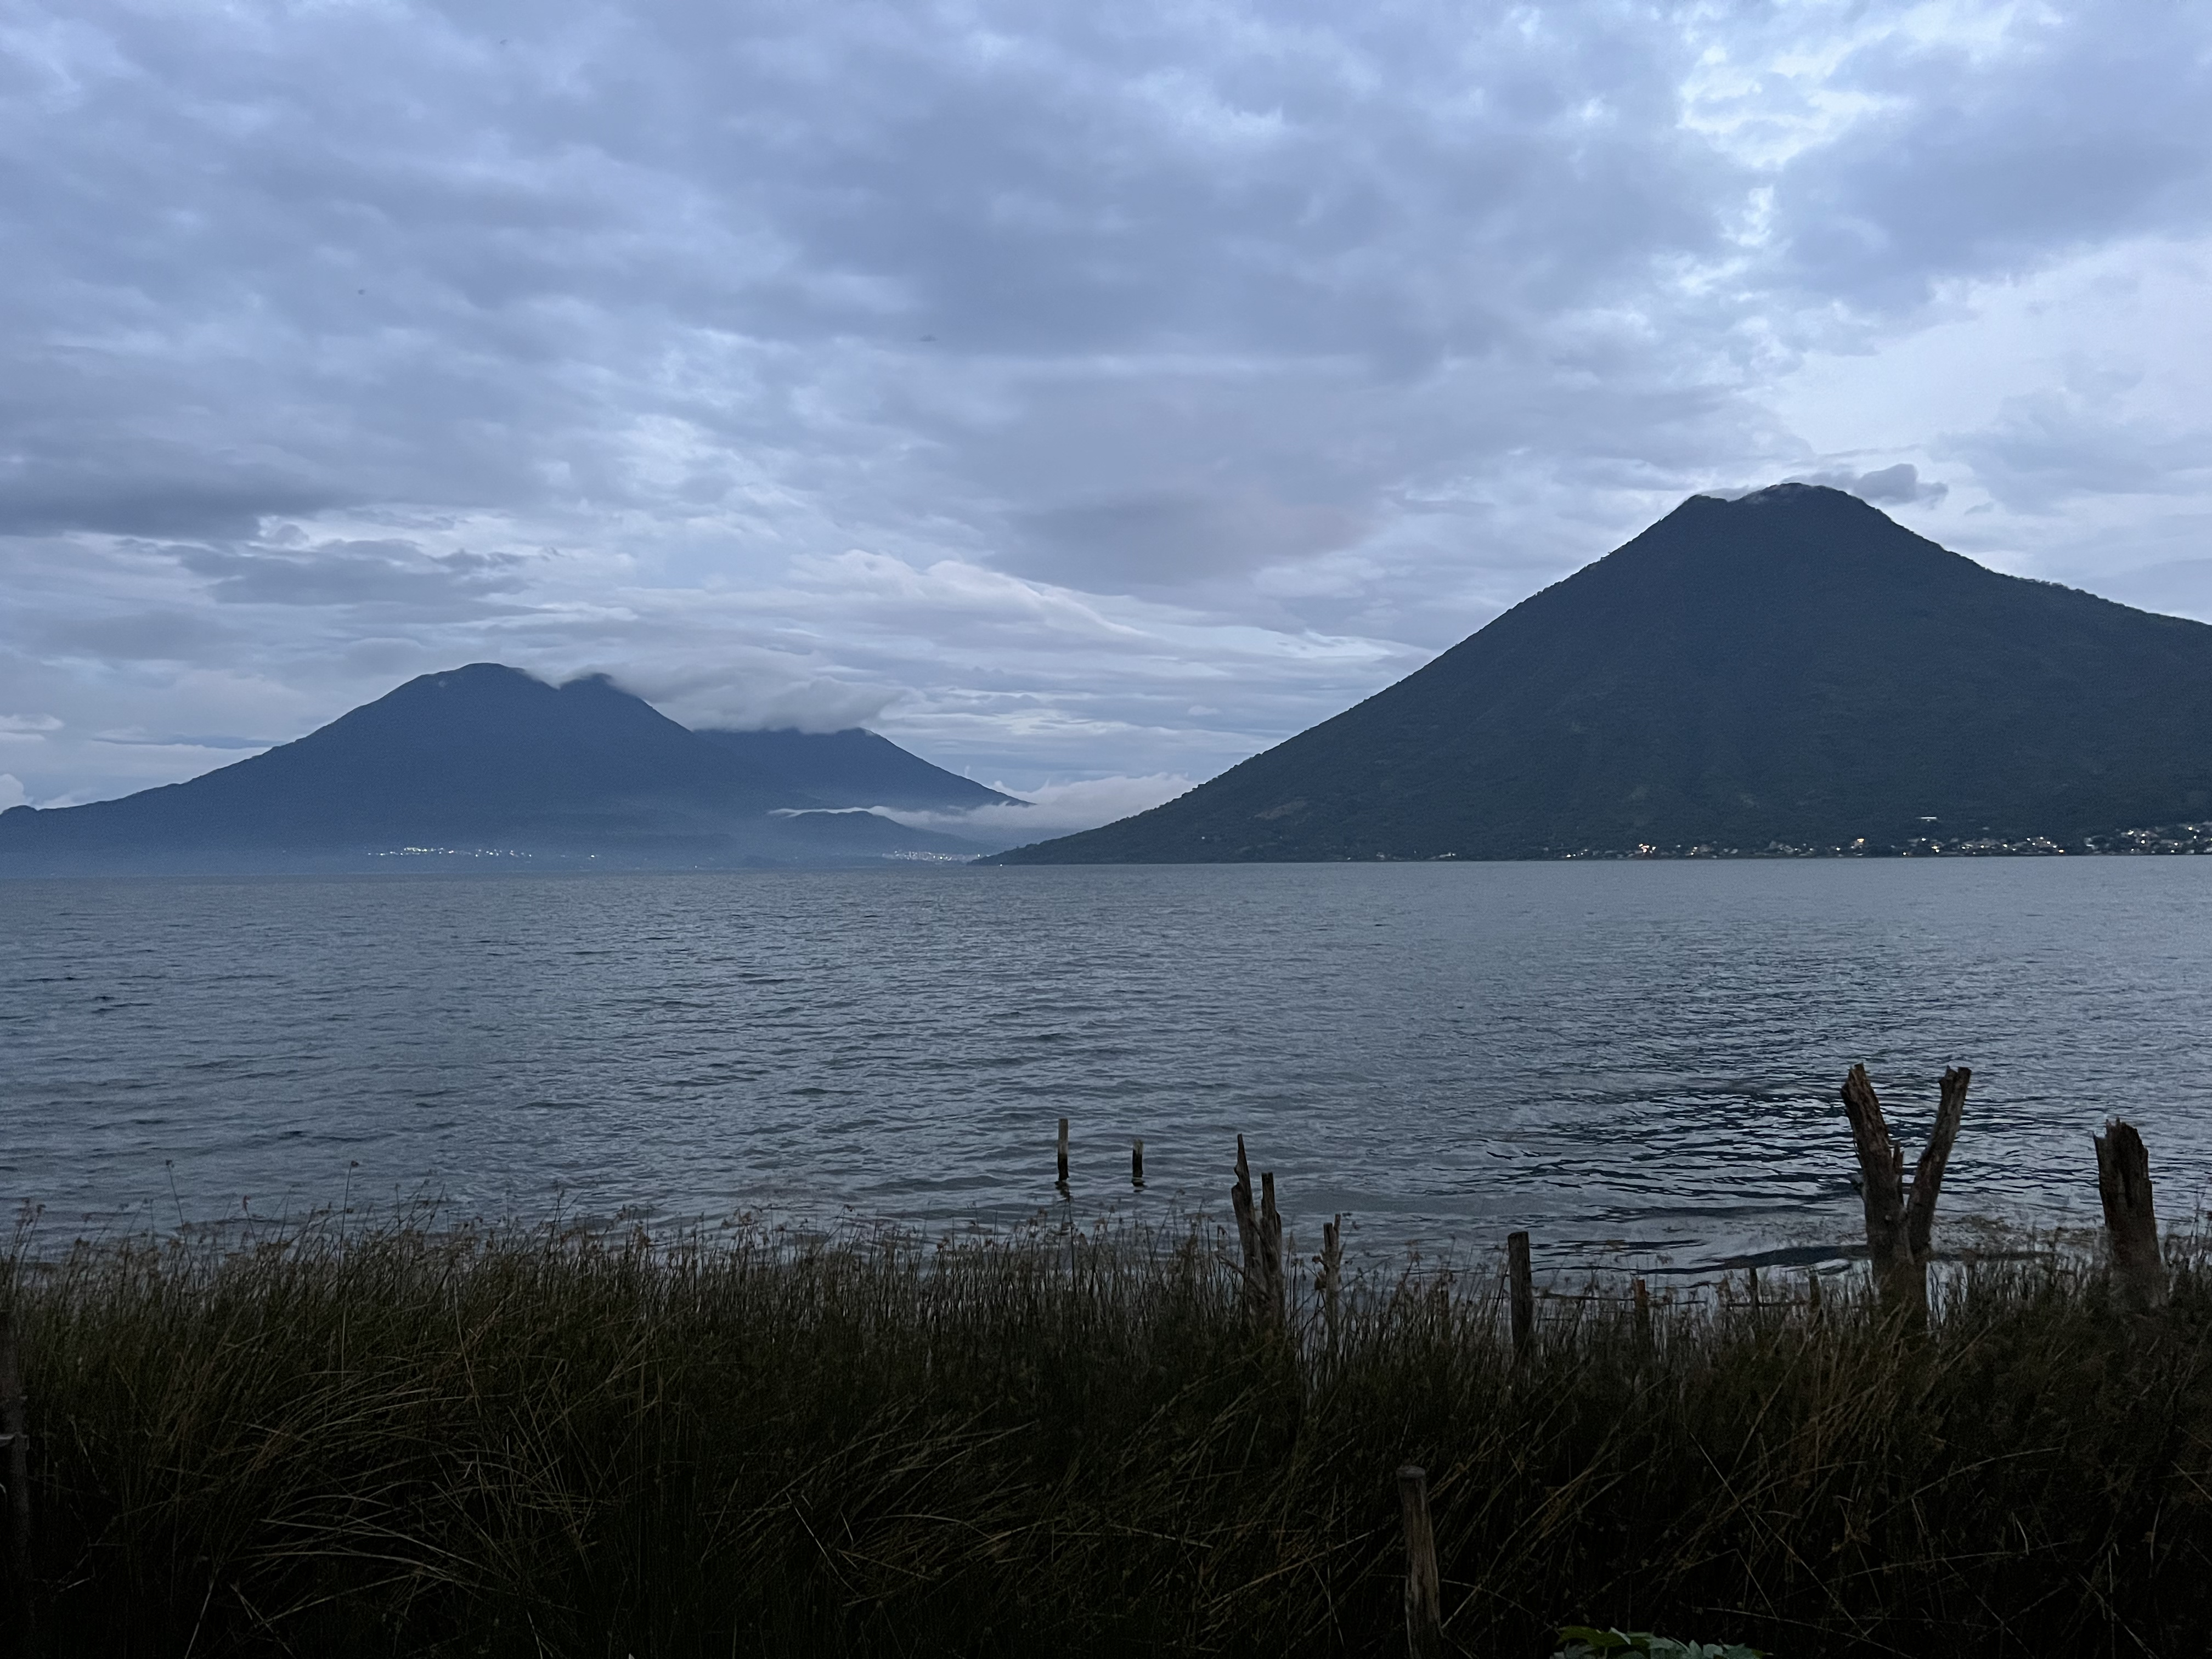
column 488, row 1441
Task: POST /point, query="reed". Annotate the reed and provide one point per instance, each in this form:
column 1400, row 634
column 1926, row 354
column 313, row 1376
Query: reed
column 501, row 1441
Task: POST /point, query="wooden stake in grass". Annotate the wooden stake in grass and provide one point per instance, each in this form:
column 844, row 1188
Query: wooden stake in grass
column 1062, row 1182
column 1332, row 1274
column 15, row 1437
column 1425, row 1621
column 1521, row 1283
column 1240, row 1206
column 1271, row 1251
column 1900, row 1221
column 1247, row 1229
column 2130, row 1221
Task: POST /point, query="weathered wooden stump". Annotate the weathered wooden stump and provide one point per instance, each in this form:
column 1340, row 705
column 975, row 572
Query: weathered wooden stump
column 1520, row 1283
column 2130, row 1222
column 1331, row 1283
column 1259, row 1237
column 1271, row 1251
column 1425, row 1621
column 1900, row 1220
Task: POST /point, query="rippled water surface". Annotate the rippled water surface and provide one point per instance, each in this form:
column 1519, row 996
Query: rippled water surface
column 1639, row 1054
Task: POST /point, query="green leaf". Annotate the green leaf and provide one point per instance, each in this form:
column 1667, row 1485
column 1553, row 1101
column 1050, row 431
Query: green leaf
column 1598, row 1641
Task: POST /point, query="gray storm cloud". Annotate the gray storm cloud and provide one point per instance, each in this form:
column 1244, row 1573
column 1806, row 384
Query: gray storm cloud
column 1068, row 391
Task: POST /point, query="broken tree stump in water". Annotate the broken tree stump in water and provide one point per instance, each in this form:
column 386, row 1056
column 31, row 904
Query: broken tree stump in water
column 1900, row 1220
column 2130, row 1222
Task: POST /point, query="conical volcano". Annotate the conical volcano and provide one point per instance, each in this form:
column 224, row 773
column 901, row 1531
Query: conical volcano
column 1792, row 670
column 476, row 761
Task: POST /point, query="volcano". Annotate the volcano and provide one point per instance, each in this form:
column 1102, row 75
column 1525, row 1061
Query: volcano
column 1790, row 672
column 487, row 761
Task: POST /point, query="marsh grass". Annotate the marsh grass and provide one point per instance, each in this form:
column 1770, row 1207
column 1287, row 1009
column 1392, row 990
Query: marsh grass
column 506, row 1442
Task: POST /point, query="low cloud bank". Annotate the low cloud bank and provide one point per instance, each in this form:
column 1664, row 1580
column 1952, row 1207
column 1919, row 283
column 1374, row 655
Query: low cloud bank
column 1057, row 809
column 758, row 695
column 1901, row 485
column 12, row 793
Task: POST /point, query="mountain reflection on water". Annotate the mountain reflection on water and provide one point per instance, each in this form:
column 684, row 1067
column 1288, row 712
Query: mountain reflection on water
column 1637, row 1062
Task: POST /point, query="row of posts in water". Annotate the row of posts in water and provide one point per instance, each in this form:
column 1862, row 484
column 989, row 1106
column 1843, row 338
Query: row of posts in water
column 1900, row 1215
column 1259, row 1234
column 1136, row 1161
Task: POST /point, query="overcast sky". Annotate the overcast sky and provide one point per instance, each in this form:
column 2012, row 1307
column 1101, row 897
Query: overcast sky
column 1073, row 391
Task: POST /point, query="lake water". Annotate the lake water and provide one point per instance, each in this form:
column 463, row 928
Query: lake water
column 1621, row 1057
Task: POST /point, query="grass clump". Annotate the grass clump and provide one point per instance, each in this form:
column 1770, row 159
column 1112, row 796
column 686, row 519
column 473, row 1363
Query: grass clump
column 488, row 1441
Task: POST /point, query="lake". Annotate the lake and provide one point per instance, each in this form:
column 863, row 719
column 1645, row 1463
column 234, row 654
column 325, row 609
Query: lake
column 1636, row 1061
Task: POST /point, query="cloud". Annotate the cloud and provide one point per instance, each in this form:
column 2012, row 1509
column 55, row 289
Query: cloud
column 387, row 572
column 1170, row 540
column 1901, row 483
column 12, row 793
column 1023, row 379
column 2050, row 447
column 733, row 699
column 156, row 636
column 1053, row 809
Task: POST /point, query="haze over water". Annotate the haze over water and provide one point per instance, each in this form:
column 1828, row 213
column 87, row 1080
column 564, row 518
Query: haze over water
column 1637, row 1056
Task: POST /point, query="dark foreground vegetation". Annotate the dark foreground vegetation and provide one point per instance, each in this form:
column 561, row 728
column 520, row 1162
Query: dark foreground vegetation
column 505, row 1443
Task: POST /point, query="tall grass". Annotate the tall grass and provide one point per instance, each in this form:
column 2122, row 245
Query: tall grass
column 500, row 1442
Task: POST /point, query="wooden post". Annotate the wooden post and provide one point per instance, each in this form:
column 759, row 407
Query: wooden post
column 1522, row 1286
column 1331, row 1272
column 1425, row 1622
column 1136, row 1161
column 1271, row 1251
column 2130, row 1221
column 1900, row 1224
column 1643, row 1316
column 1248, row 1229
column 1062, row 1182
column 14, row 1434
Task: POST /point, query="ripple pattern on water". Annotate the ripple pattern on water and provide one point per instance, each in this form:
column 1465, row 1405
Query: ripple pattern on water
column 1638, row 1055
